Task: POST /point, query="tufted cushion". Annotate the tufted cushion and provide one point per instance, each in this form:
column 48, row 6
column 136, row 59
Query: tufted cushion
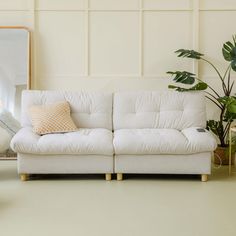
column 81, row 142
column 53, row 118
column 161, row 109
column 162, row 141
column 88, row 109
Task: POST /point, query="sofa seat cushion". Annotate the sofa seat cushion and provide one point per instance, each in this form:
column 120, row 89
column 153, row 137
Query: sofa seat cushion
column 81, row 142
column 162, row 141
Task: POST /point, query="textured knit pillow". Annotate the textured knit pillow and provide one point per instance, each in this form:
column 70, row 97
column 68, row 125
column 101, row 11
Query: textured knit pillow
column 53, row 118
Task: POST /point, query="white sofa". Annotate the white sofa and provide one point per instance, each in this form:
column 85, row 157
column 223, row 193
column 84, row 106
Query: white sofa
column 89, row 150
column 154, row 132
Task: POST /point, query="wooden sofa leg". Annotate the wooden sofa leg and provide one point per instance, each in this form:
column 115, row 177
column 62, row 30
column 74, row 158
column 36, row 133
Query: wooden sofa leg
column 119, row 176
column 108, row 177
column 204, row 178
column 24, row 177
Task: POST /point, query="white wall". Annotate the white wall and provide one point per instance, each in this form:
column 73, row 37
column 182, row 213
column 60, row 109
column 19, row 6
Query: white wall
column 120, row 44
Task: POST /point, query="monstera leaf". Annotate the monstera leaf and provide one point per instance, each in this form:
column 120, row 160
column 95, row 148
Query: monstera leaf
column 229, row 52
column 189, row 53
column 183, row 77
column 233, row 64
column 229, row 116
column 216, row 127
column 230, row 107
column 197, row 87
column 229, row 102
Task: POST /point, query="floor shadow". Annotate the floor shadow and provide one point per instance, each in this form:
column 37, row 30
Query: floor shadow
column 161, row 177
column 73, row 177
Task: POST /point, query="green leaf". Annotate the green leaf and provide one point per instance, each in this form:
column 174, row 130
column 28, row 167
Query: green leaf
column 216, row 127
column 233, row 65
column 225, row 100
column 229, row 52
column 228, row 116
column 189, row 54
column 183, row 77
column 232, row 108
column 177, row 88
column 230, row 105
column 199, row 86
column 171, row 86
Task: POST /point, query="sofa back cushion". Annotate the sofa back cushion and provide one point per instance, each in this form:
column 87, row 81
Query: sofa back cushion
column 159, row 109
column 88, row 109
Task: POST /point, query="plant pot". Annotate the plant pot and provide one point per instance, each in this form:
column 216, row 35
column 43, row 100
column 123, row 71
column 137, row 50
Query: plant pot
column 221, row 156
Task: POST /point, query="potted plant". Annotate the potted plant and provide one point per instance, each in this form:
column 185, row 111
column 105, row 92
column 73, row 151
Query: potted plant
column 226, row 103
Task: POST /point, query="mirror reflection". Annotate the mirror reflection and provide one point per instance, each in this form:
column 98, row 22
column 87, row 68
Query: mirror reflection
column 14, row 77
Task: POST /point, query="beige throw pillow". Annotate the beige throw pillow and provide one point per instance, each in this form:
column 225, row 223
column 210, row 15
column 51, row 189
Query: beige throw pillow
column 53, row 118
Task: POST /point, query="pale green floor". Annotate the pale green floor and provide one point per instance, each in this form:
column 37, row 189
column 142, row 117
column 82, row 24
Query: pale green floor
column 137, row 206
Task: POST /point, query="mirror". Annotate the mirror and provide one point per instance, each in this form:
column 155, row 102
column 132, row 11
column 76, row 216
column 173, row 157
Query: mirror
column 14, row 78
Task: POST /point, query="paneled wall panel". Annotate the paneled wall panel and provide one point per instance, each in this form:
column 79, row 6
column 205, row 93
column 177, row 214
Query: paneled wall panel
column 13, row 5
column 114, row 43
column 60, row 46
column 58, row 5
column 114, row 4
column 218, row 4
column 163, row 34
column 167, row 4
